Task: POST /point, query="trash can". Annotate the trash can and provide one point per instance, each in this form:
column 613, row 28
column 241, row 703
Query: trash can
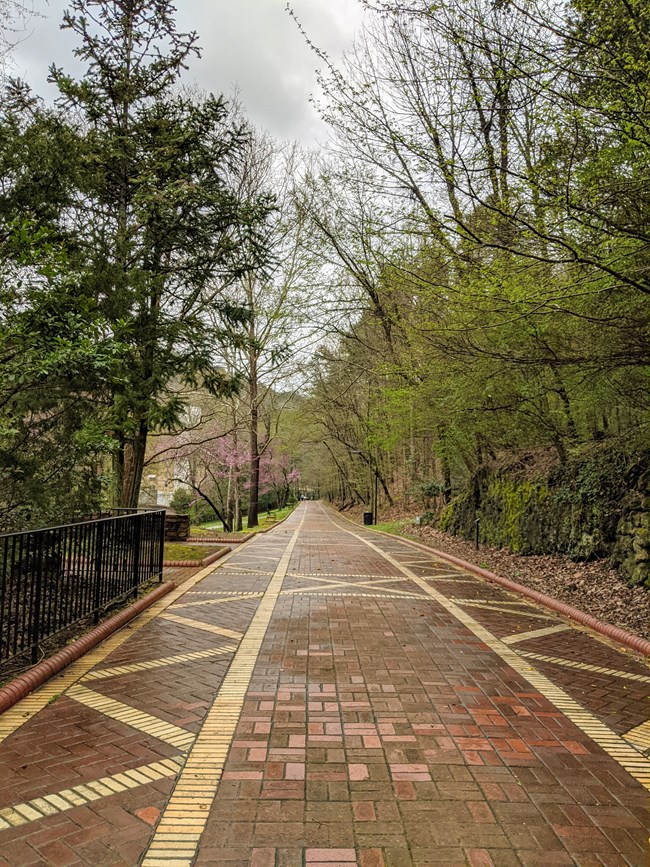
column 367, row 519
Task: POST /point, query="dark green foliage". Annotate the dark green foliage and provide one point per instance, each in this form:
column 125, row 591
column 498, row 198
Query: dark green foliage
column 129, row 181
column 582, row 508
column 185, row 502
column 202, row 513
column 54, row 351
column 507, row 316
column 162, row 226
column 181, row 502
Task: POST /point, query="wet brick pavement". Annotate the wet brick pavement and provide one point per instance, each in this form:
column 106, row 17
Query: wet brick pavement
column 327, row 696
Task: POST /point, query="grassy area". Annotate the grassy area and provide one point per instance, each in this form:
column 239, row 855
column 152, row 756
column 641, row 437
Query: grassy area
column 179, row 551
column 399, row 527
column 265, row 521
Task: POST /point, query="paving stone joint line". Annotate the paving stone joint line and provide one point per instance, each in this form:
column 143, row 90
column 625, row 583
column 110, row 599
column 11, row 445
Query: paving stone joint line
column 614, row 745
column 178, row 833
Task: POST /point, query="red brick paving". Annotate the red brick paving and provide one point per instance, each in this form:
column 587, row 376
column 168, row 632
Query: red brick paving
column 68, row 744
column 376, row 731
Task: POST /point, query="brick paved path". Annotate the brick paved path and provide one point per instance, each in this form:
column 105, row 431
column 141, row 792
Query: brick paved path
column 327, row 696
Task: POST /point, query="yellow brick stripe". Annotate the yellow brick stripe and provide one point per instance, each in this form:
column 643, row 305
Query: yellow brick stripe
column 220, row 601
column 450, row 579
column 491, row 602
column 219, row 593
column 373, row 581
column 436, row 570
column 246, row 570
column 124, row 713
column 206, row 593
column 584, row 666
column 328, row 576
column 344, row 592
column 447, row 570
column 79, row 796
column 471, row 603
column 639, row 735
column 177, row 836
column 329, row 585
column 614, row 745
column 517, row 637
column 104, row 673
column 200, row 624
column 11, row 720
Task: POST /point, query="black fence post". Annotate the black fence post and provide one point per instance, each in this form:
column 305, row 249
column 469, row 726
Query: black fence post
column 38, row 594
column 375, row 497
column 161, row 543
column 99, row 563
column 5, row 594
column 137, row 542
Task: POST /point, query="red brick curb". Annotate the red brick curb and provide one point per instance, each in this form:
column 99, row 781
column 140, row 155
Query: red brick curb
column 199, row 563
column 635, row 642
column 37, row 675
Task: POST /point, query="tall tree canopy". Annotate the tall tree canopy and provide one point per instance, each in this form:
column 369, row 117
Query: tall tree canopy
column 162, row 227
column 129, row 177
column 485, row 215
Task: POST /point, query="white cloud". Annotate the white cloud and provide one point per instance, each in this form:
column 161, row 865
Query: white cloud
column 253, row 45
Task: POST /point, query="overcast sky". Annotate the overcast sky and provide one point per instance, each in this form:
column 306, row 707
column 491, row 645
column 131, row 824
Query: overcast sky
column 251, row 44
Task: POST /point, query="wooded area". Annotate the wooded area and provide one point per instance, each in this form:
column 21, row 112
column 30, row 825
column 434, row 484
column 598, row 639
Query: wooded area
column 489, row 200
column 447, row 305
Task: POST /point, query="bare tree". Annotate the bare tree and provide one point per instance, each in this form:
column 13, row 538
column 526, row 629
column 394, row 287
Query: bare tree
column 280, row 304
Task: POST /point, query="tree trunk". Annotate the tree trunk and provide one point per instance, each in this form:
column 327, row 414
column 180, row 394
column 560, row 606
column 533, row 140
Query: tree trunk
column 384, row 485
column 254, row 453
column 230, row 510
column 254, row 490
column 118, row 472
column 226, row 525
column 238, row 523
column 133, row 467
column 566, row 404
column 446, row 481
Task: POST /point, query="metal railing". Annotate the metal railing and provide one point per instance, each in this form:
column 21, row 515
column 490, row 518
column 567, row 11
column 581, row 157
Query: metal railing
column 57, row 576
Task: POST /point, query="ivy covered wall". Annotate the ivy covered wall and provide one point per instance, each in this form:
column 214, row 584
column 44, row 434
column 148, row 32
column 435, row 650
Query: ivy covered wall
column 596, row 505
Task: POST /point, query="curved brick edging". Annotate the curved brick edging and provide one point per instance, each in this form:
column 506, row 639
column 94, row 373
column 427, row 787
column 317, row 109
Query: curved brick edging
column 41, row 672
column 207, row 561
column 217, row 555
column 635, row 642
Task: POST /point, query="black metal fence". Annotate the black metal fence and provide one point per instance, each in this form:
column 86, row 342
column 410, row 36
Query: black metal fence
column 52, row 578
